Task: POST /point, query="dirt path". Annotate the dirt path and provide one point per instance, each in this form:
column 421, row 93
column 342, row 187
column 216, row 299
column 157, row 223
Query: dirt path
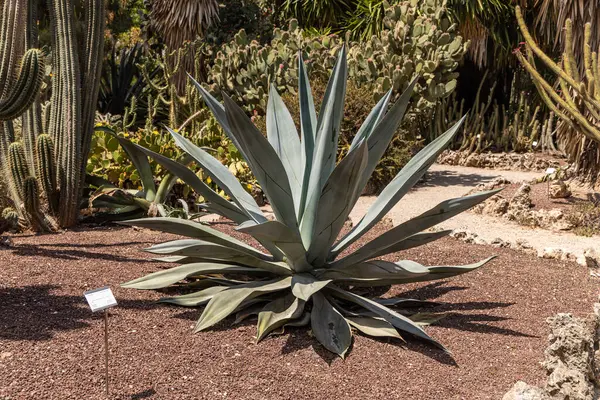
column 447, row 181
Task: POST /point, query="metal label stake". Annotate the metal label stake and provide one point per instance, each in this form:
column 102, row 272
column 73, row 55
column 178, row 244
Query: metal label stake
column 106, row 345
column 98, row 300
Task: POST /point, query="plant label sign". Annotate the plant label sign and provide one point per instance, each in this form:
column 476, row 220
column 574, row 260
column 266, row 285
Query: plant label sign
column 100, row 299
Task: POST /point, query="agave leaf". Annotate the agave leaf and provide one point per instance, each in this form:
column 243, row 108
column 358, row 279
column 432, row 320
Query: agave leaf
column 377, row 269
column 434, row 273
column 222, row 176
column 397, row 320
column 194, row 299
column 219, row 112
column 172, row 246
column 188, row 228
column 283, row 136
column 305, row 285
column 171, row 259
column 308, row 124
column 206, row 282
column 377, row 327
column 371, row 121
column 379, row 140
column 329, row 327
column 227, row 255
column 247, row 312
column 328, row 128
column 182, row 259
column 398, row 187
column 416, row 240
column 164, row 278
column 443, row 211
column 218, row 203
column 224, row 303
column 302, row 321
column 335, row 203
column 140, row 161
column 425, row 319
column 284, row 238
column 277, row 313
column 264, row 162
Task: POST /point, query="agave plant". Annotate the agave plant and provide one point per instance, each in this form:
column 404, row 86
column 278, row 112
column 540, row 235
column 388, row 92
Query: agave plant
column 303, row 273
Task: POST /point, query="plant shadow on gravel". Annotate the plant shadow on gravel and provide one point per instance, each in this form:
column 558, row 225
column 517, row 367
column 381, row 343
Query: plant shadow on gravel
column 450, row 178
column 35, row 313
column 71, row 252
column 297, row 338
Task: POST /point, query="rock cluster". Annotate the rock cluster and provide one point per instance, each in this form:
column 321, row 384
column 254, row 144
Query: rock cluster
column 511, row 161
column 571, row 361
column 519, row 208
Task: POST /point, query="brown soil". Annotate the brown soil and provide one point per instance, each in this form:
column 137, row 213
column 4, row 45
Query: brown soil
column 51, row 345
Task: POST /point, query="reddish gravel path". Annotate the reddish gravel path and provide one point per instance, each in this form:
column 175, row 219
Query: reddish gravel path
column 51, row 345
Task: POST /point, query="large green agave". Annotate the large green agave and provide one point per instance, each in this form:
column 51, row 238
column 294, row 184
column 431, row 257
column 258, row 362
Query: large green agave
column 303, row 276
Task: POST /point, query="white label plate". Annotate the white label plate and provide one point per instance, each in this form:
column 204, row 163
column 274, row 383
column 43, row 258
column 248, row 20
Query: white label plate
column 100, row 299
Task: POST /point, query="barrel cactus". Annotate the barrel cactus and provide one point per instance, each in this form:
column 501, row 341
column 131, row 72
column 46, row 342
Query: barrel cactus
column 302, row 277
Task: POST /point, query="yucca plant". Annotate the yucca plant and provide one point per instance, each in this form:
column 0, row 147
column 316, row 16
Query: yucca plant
column 303, row 275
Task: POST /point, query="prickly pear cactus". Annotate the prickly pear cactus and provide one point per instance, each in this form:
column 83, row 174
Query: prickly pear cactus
column 245, row 69
column 418, row 38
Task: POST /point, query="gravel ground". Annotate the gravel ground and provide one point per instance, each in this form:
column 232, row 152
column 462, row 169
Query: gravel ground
column 51, row 345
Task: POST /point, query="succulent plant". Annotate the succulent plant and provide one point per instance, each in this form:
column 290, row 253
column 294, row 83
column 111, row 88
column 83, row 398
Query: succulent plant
column 12, row 217
column 576, row 100
column 57, row 159
column 303, row 276
column 492, row 126
column 418, row 39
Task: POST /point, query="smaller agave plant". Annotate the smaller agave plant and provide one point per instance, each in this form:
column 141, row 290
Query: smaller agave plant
column 303, row 275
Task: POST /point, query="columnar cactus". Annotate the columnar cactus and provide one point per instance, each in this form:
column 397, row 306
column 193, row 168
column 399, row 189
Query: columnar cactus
column 17, row 164
column 70, row 122
column 577, row 103
column 46, row 169
column 490, row 125
column 23, row 93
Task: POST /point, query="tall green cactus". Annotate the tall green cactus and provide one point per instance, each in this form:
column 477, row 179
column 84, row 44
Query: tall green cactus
column 57, row 158
column 46, row 170
column 25, row 90
column 17, row 164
